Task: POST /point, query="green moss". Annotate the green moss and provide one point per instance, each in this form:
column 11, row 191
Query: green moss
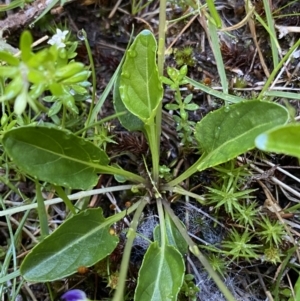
column 184, row 56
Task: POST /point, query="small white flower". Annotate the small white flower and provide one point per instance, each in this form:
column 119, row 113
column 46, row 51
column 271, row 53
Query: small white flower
column 59, row 38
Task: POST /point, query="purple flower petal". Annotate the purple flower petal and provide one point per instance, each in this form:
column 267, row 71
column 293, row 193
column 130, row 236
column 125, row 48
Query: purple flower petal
column 74, row 295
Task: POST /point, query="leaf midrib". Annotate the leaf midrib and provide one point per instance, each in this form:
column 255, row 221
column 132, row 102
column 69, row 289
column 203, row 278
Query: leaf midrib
column 104, row 224
column 61, row 156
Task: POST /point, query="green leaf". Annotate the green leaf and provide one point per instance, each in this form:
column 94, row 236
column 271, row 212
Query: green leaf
column 8, row 72
column 167, row 81
column 69, row 102
column 37, row 77
column 231, row 131
column 69, row 70
column 82, row 240
column 9, row 58
column 56, row 89
column 140, row 86
column 38, row 60
column 191, row 107
column 129, row 121
column 77, row 78
column 21, row 102
column 13, row 88
column 161, row 274
column 79, row 89
column 188, row 99
column 214, row 13
column 174, row 237
column 171, row 106
column 55, row 108
column 55, row 156
column 25, row 46
column 71, row 51
column 37, row 90
column 284, row 139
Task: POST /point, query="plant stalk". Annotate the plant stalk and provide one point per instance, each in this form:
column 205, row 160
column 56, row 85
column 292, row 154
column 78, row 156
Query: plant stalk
column 66, row 200
column 90, row 56
column 111, row 170
column 160, row 64
column 119, row 295
column 151, row 132
column 162, row 223
column 41, row 211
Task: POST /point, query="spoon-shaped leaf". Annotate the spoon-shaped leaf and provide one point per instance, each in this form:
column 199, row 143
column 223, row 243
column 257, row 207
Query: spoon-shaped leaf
column 161, row 274
column 231, row 131
column 129, row 121
column 82, row 240
column 55, row 156
column 174, row 237
column 285, row 139
column 140, row 86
